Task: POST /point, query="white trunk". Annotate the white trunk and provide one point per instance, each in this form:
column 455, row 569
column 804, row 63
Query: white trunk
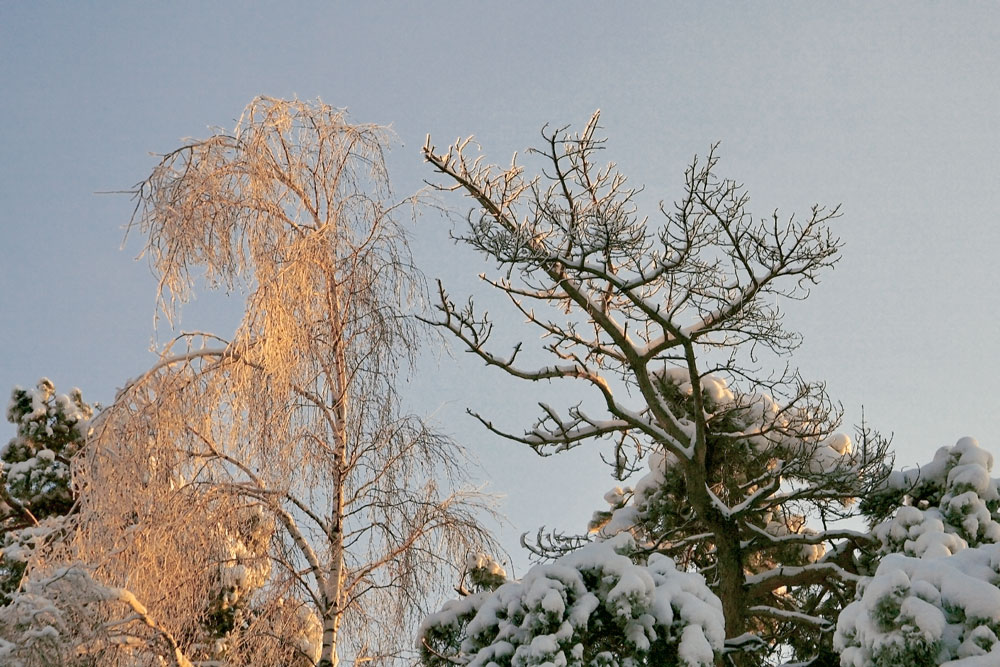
column 333, row 610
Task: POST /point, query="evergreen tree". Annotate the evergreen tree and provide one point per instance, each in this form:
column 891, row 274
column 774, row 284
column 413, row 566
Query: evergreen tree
column 602, row 604
column 662, row 323
column 35, row 482
column 934, row 598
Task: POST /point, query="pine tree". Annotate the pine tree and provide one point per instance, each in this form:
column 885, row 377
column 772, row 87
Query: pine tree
column 662, row 322
column 35, row 483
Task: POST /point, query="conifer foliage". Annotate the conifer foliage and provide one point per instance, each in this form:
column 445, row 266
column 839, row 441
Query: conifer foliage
column 36, row 487
column 934, row 598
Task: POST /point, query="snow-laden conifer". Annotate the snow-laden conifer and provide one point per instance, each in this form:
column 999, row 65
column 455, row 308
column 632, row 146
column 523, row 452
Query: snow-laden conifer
column 934, row 597
column 599, row 605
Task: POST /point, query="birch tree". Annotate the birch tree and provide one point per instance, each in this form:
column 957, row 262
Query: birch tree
column 264, row 495
column 663, row 323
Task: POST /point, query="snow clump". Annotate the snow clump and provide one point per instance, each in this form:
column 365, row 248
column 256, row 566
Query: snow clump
column 934, row 597
column 591, row 606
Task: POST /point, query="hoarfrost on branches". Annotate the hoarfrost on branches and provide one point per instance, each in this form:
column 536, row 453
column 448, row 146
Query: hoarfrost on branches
column 291, row 435
column 262, row 499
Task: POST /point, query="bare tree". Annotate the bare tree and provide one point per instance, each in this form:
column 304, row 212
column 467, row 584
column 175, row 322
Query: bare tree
column 265, row 496
column 665, row 324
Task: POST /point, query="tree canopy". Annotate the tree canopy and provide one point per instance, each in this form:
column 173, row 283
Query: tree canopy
column 265, row 498
column 664, row 320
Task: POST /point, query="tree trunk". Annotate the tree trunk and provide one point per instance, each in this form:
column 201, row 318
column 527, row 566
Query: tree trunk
column 333, row 601
column 332, row 612
column 728, row 553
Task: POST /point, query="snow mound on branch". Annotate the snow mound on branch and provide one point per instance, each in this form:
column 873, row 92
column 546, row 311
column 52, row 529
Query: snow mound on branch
column 769, row 431
column 51, row 616
column 594, row 605
column 484, row 572
column 965, row 452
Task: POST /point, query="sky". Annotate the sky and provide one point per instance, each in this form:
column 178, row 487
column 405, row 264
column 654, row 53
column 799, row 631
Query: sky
column 889, row 109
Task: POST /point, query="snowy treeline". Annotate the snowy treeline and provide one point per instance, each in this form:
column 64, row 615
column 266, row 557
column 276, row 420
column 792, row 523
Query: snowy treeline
column 927, row 590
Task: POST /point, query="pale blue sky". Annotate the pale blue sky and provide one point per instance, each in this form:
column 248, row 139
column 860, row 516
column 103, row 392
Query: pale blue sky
column 889, row 109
